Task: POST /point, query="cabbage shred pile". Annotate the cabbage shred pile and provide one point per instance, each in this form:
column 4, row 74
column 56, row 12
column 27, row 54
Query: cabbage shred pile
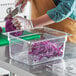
column 45, row 49
column 0, row 29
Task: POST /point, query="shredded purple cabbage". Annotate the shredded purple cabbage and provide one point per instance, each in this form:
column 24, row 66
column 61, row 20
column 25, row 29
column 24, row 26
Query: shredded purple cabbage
column 45, row 49
column 10, row 27
column 0, row 29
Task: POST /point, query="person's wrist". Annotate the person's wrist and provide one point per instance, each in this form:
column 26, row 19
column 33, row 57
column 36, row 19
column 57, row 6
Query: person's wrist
column 27, row 24
column 35, row 23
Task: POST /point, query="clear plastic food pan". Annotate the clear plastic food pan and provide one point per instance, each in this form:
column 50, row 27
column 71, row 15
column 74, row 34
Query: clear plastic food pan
column 38, row 45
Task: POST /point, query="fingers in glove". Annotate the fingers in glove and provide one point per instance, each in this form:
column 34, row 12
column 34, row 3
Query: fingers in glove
column 16, row 23
column 18, row 17
column 18, row 28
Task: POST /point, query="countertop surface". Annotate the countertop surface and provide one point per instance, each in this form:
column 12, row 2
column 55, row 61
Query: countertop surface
column 64, row 67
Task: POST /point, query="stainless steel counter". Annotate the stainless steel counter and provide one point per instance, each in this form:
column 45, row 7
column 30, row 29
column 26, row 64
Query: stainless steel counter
column 64, row 67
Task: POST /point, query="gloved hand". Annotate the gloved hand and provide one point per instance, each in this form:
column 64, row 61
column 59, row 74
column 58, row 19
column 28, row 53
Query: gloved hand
column 22, row 23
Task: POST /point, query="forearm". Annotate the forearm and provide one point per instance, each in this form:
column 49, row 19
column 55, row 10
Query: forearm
column 62, row 11
column 42, row 21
